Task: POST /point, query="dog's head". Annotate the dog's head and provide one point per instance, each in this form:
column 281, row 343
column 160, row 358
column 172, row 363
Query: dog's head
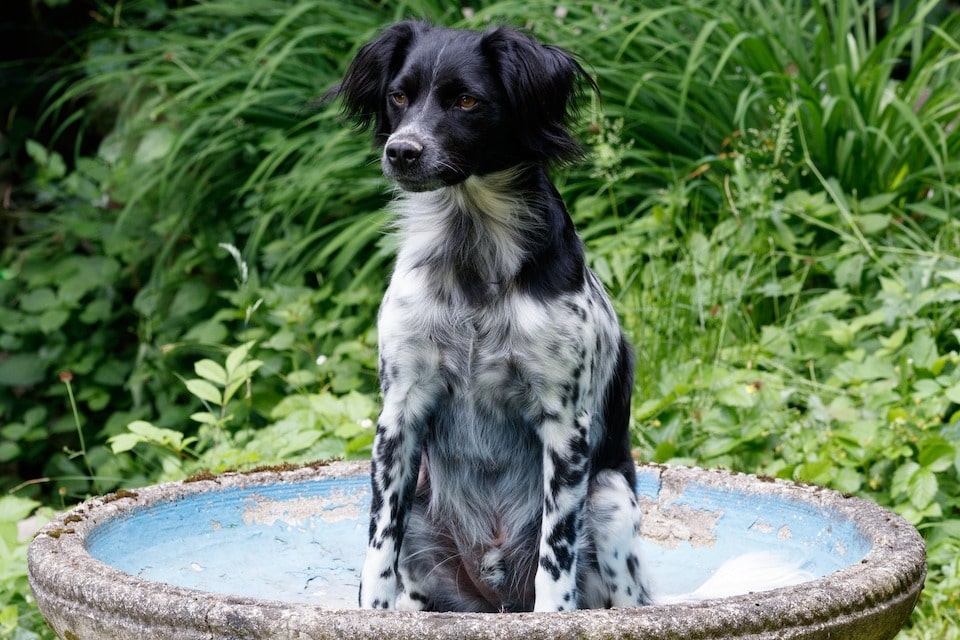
column 447, row 104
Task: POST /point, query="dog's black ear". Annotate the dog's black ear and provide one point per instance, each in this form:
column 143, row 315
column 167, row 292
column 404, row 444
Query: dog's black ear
column 542, row 85
column 364, row 85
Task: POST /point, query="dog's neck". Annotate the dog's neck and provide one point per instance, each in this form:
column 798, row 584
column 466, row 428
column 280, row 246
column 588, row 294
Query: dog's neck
column 474, row 235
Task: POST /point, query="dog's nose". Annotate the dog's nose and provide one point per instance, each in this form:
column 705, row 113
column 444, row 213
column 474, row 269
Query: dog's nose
column 402, row 154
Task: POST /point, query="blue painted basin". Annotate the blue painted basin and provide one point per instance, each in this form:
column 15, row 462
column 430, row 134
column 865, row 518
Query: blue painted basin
column 254, row 551
column 304, row 541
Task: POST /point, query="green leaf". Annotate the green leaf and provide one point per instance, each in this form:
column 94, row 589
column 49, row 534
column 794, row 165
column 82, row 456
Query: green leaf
column 840, row 332
column 232, row 388
column 21, row 370
column 923, row 488
column 9, row 451
column 146, row 430
column 237, row 356
column 776, row 341
column 205, row 417
column 922, row 350
column 79, row 275
column 737, row 395
column 190, row 297
column 873, row 223
column 875, row 203
column 300, row 378
column 847, row 480
column 874, row 318
column 849, row 272
column 39, row 300
column 936, row 454
column 156, row 435
column 210, row 370
column 902, row 478
column 239, row 376
column 123, row 442
column 952, row 393
column 97, row 311
column 205, row 391
column 53, row 319
column 37, row 152
column 207, row 332
column 895, row 341
column 245, row 370
column 155, row 144
column 15, row 508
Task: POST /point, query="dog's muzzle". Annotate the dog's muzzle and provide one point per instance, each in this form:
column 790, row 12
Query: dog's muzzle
column 403, row 154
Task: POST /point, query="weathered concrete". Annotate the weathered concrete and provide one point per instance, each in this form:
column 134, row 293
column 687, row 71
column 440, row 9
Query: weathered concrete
column 84, row 599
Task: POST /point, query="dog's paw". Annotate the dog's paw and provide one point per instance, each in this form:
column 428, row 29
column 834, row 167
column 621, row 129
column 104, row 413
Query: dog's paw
column 378, row 585
column 380, row 596
column 553, row 594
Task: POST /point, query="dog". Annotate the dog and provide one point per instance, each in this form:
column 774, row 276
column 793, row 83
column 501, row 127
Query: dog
column 502, row 478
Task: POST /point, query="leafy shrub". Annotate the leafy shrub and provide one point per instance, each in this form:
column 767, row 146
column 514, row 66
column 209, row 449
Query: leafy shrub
column 117, row 273
column 19, row 617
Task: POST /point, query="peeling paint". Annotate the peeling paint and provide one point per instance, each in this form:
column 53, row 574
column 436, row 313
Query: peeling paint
column 672, row 525
column 761, row 525
column 334, row 507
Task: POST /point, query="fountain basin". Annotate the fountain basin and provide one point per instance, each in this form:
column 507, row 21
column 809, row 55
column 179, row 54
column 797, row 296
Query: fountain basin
column 276, row 554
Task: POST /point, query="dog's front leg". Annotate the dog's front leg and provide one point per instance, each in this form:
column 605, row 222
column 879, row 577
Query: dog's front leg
column 394, row 469
column 566, row 465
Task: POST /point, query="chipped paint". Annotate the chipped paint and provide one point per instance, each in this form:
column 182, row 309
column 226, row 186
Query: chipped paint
column 672, row 525
column 332, row 507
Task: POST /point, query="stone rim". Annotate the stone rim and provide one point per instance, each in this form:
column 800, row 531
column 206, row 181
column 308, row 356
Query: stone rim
column 81, row 596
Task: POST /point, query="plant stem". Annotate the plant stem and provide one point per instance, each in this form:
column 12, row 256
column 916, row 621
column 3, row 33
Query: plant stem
column 66, row 377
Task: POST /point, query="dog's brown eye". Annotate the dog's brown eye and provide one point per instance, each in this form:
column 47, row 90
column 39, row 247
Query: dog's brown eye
column 466, row 102
column 399, row 98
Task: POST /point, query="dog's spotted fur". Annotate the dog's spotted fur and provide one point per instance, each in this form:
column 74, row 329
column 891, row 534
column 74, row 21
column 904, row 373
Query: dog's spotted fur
column 502, row 478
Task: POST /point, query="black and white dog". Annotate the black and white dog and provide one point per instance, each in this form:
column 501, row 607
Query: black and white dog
column 502, row 477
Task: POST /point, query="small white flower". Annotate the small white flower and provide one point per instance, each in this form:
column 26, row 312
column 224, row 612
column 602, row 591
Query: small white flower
column 321, row 360
column 366, row 423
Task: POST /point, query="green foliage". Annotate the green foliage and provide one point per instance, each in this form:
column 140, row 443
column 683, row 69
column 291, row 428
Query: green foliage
column 301, row 427
column 769, row 194
column 19, row 618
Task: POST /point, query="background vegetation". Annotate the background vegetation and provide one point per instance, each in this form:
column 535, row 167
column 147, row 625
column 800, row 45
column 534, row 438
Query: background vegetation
column 192, row 249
